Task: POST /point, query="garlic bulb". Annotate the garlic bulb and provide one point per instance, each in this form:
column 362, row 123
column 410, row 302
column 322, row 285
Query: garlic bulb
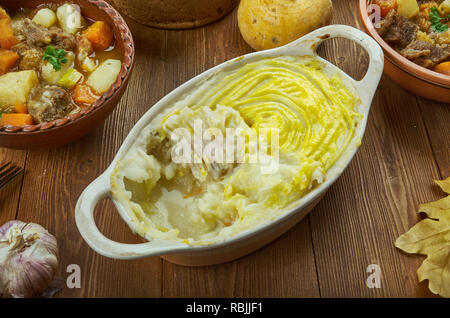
column 28, row 259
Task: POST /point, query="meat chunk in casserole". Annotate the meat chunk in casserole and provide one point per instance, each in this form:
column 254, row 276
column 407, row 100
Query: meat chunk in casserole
column 30, row 57
column 440, row 53
column 398, row 30
column 426, row 54
column 386, row 23
column 38, row 36
column 417, row 49
column 49, row 102
column 62, row 39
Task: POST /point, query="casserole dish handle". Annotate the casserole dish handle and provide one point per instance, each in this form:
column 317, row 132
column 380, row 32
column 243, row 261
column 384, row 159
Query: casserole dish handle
column 366, row 86
column 84, row 217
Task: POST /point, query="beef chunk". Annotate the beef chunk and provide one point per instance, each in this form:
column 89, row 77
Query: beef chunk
column 36, row 39
column 401, row 33
column 386, row 23
column 30, row 57
column 398, row 30
column 417, row 49
column 62, row 39
column 84, row 48
column 37, row 36
column 426, row 54
column 424, row 61
column 440, row 53
column 443, row 37
column 17, row 26
column 47, row 103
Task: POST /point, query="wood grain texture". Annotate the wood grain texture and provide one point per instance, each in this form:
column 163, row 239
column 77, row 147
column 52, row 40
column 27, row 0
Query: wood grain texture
column 9, row 196
column 284, row 268
column 406, row 145
column 436, row 118
column 376, row 198
column 374, row 202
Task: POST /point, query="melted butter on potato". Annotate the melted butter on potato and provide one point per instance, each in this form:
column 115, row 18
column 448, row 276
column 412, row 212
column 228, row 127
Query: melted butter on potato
column 206, row 202
column 266, row 24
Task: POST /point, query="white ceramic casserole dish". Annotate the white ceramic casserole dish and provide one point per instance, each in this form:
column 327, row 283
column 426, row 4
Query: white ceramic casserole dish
column 249, row 240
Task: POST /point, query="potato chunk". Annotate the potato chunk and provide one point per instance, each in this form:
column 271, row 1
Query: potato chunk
column 51, row 76
column 443, row 37
column 15, row 87
column 104, row 76
column 408, row 8
column 45, row 18
column 69, row 18
column 89, row 64
column 445, row 7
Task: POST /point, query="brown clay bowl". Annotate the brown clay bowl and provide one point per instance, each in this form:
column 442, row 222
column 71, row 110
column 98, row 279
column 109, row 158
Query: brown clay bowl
column 410, row 76
column 75, row 126
column 175, row 14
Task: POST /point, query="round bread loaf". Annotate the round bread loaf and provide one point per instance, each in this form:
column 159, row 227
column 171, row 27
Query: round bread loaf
column 175, row 14
column 266, row 24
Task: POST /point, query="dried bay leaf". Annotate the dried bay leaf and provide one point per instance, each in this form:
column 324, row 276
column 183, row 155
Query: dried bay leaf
column 431, row 237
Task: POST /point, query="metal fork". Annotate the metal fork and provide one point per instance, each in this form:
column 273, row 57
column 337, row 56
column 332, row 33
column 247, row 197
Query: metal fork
column 8, row 172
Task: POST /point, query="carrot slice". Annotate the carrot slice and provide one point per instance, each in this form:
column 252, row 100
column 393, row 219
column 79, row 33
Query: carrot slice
column 100, row 35
column 8, row 60
column 16, row 120
column 20, row 108
column 386, row 6
column 7, row 38
column 82, row 94
column 443, row 68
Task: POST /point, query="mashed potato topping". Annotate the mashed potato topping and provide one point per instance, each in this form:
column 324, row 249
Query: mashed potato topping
column 207, row 200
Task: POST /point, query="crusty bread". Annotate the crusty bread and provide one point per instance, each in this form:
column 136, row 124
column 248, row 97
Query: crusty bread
column 175, row 14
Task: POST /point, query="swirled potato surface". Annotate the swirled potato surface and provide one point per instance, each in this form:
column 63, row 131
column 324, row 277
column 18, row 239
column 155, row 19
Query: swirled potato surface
column 288, row 122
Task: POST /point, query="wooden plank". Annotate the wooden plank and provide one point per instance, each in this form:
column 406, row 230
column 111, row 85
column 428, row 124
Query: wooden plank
column 375, row 200
column 437, row 122
column 62, row 174
column 284, row 268
column 9, row 195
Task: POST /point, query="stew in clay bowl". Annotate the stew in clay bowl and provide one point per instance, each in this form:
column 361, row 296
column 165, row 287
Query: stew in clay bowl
column 63, row 68
column 415, row 36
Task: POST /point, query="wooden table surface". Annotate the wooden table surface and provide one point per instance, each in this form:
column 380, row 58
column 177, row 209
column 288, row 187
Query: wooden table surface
column 405, row 147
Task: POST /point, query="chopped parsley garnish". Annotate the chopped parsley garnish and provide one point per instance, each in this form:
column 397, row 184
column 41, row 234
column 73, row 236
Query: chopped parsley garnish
column 55, row 57
column 436, row 20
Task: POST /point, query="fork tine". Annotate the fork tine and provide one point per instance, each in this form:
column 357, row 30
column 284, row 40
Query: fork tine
column 5, row 166
column 4, row 180
column 10, row 178
column 7, row 171
column 10, row 172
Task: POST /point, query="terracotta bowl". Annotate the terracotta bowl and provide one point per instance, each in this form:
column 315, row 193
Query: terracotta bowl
column 410, row 76
column 75, row 126
column 175, row 14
